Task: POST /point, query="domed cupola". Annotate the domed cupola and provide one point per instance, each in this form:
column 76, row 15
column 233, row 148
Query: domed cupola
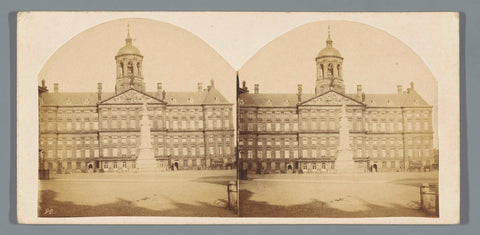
column 129, row 67
column 329, row 69
column 128, row 49
column 329, row 50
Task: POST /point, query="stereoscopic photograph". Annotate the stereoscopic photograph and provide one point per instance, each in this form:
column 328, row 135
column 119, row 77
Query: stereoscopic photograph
column 238, row 117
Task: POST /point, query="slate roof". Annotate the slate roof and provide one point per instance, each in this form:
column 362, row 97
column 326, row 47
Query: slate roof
column 405, row 99
column 213, row 96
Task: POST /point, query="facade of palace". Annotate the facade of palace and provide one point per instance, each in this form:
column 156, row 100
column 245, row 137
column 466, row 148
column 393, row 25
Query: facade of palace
column 300, row 132
column 100, row 132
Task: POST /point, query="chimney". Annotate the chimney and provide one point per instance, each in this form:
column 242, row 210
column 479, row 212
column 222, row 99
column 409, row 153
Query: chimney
column 212, row 83
column 363, row 97
column 99, row 91
column 299, row 93
column 159, row 89
column 399, row 89
column 359, row 90
column 55, row 87
column 164, row 93
column 412, row 86
column 43, row 83
column 256, row 90
column 200, row 87
column 244, row 84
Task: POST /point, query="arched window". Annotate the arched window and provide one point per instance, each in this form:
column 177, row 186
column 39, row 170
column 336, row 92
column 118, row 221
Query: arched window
column 138, row 69
column 339, row 70
column 130, row 68
column 322, row 73
column 330, row 70
column 121, row 66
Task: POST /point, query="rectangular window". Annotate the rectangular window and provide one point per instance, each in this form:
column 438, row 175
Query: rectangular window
column 249, row 154
column 259, row 154
column 277, row 154
column 304, row 153
column 78, row 153
column 114, row 152
column 295, row 153
column 287, row 154
column 133, row 123
column 269, row 154
column 314, row 153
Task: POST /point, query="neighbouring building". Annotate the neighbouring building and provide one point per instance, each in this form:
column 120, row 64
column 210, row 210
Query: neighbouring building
column 299, row 132
column 99, row 131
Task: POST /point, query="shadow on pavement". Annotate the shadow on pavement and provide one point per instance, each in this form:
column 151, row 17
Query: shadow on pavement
column 49, row 207
column 316, row 208
column 221, row 180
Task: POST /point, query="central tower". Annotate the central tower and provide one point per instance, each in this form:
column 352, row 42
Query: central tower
column 329, row 69
column 129, row 67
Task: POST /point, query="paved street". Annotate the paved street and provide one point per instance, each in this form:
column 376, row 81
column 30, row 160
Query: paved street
column 181, row 193
column 307, row 195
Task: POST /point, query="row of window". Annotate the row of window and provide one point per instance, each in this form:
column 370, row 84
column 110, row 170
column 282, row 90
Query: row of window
column 308, row 125
column 282, row 115
column 313, row 153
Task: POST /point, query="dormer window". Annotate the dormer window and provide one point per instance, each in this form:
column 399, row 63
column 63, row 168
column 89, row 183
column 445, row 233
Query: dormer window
column 216, row 100
column 269, row 102
column 69, row 101
column 173, row 100
column 388, row 101
column 190, row 100
column 286, row 102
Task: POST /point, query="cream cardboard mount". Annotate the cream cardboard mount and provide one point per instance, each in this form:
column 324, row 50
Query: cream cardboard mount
column 172, row 123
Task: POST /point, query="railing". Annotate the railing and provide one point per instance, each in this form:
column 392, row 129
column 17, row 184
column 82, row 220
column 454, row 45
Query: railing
column 232, row 195
column 429, row 198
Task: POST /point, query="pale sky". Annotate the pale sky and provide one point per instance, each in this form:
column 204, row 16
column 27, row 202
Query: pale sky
column 172, row 56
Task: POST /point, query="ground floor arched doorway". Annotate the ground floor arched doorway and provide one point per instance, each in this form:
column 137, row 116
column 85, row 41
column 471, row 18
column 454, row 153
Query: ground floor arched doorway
column 374, row 167
column 289, row 168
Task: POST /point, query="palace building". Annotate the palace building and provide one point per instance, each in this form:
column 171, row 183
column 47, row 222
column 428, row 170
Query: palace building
column 99, row 131
column 299, row 132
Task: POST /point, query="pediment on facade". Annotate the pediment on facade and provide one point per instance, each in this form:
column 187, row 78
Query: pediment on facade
column 330, row 98
column 132, row 96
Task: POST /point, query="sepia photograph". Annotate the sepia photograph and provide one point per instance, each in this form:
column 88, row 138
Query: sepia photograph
column 238, row 118
column 356, row 138
column 132, row 123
